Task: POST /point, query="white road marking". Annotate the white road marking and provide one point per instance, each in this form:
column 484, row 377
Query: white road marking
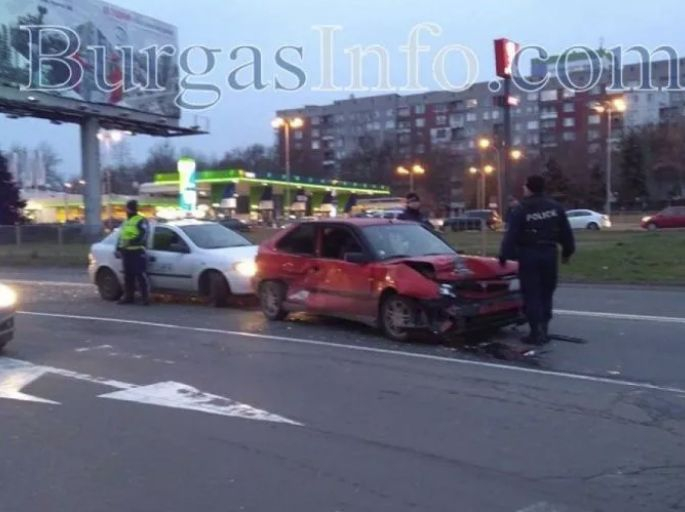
column 622, row 316
column 563, row 312
column 48, row 283
column 15, row 374
column 91, row 349
column 541, row 507
column 357, row 348
column 180, row 396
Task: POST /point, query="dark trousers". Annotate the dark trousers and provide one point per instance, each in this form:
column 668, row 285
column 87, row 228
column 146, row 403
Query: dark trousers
column 538, row 271
column 135, row 268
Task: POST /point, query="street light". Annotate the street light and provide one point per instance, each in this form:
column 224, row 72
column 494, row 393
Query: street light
column 415, row 170
column 483, row 172
column 67, row 188
column 609, row 107
column 110, row 138
column 515, row 154
column 287, row 124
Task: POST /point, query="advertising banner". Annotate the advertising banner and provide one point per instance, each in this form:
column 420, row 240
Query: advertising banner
column 123, row 73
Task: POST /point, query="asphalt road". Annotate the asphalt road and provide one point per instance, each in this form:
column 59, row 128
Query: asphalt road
column 180, row 407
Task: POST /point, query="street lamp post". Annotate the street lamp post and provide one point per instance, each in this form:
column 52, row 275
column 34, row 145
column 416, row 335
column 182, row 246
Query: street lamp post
column 287, row 125
column 609, row 107
column 415, row 170
column 109, row 138
column 67, row 188
column 482, row 173
column 515, row 154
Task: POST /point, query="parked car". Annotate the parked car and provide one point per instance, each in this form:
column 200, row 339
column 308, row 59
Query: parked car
column 8, row 302
column 588, row 219
column 474, row 220
column 399, row 276
column 238, row 225
column 198, row 258
column 671, row 217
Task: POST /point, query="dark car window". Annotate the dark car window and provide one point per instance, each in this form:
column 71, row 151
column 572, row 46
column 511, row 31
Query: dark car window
column 164, row 238
column 302, row 240
column 336, row 242
column 214, row 236
column 404, row 240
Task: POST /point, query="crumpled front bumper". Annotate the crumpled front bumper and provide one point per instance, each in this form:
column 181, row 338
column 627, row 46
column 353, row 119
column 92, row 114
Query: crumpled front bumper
column 462, row 315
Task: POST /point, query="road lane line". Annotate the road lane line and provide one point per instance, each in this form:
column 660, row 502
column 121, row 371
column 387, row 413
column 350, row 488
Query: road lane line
column 622, row 316
column 562, row 312
column 47, row 283
column 357, row 348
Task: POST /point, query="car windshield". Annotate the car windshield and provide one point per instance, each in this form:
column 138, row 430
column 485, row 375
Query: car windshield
column 214, row 236
column 405, row 240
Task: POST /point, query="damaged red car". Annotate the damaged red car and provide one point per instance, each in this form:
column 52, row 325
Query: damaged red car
column 398, row 276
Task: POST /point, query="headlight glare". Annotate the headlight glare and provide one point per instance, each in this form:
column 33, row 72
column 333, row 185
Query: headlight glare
column 246, row 268
column 8, row 297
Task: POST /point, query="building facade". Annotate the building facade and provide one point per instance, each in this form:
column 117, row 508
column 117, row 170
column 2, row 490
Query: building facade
column 552, row 121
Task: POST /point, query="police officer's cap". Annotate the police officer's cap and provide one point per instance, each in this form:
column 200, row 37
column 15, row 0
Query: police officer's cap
column 132, row 205
column 536, row 184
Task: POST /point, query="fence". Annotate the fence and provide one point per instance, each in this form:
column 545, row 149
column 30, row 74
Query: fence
column 46, row 244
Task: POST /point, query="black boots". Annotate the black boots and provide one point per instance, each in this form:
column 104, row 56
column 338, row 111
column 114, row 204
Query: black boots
column 538, row 335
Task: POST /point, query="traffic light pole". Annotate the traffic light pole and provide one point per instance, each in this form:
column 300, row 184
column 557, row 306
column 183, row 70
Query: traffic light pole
column 506, row 150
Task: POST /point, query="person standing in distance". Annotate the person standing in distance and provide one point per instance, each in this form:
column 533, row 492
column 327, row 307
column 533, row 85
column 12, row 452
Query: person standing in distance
column 131, row 247
column 412, row 211
column 536, row 227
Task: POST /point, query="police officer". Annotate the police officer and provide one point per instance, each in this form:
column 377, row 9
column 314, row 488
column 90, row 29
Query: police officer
column 131, row 247
column 412, row 211
column 536, row 227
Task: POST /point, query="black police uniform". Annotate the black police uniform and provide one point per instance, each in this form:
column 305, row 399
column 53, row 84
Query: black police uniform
column 414, row 215
column 535, row 229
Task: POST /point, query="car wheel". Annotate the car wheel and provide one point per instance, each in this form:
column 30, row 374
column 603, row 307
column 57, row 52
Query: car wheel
column 593, row 226
column 271, row 299
column 108, row 285
column 219, row 291
column 397, row 313
column 652, row 227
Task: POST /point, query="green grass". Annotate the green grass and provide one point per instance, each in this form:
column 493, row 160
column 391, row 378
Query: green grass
column 628, row 257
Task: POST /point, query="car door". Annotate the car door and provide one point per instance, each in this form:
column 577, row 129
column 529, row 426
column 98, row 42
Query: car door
column 575, row 219
column 170, row 261
column 295, row 264
column 342, row 288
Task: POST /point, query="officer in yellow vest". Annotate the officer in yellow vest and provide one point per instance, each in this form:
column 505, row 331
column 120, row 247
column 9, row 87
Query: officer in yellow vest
column 131, row 247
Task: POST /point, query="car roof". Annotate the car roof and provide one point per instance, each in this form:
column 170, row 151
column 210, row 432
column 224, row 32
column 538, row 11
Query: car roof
column 185, row 222
column 357, row 221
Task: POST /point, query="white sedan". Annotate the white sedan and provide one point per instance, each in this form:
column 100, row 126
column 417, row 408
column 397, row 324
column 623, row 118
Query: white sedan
column 588, row 219
column 192, row 257
column 8, row 303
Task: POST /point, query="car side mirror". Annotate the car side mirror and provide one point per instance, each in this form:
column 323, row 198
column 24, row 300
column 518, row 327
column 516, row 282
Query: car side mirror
column 180, row 248
column 356, row 257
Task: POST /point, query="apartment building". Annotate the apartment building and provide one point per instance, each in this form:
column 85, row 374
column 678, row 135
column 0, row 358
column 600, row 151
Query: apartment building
column 543, row 123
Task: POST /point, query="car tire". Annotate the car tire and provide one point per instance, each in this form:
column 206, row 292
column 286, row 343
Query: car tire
column 652, row 227
column 593, row 226
column 108, row 285
column 271, row 299
column 219, row 291
column 395, row 309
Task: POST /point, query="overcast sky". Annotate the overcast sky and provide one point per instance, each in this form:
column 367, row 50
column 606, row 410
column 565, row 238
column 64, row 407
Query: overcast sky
column 244, row 117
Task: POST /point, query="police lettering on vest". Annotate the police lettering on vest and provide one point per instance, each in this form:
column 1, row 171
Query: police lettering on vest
column 548, row 214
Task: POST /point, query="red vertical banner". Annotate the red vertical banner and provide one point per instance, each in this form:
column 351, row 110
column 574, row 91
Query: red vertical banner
column 505, row 54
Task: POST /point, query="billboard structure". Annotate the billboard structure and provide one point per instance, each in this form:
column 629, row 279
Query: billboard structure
column 92, row 63
column 65, row 58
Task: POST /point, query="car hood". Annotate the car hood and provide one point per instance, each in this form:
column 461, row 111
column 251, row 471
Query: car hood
column 451, row 267
column 232, row 253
